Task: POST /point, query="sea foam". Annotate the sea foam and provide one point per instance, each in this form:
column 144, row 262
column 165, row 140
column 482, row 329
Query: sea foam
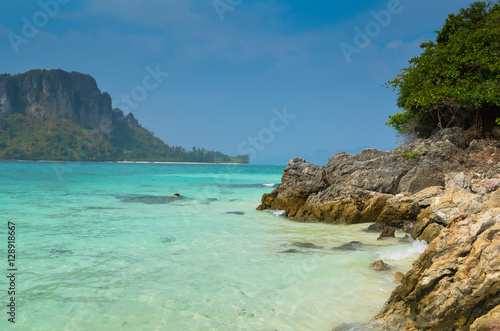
column 279, row 213
column 417, row 247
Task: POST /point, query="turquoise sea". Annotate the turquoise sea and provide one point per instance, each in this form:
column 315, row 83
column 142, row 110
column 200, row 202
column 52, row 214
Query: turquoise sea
column 107, row 246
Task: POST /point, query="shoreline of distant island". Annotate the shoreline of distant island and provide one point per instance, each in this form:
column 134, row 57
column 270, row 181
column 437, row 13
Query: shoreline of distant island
column 129, row 162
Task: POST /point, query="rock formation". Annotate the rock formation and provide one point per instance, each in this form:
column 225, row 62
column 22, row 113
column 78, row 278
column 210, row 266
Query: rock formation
column 380, row 266
column 444, row 190
column 418, row 187
column 58, row 94
column 455, row 283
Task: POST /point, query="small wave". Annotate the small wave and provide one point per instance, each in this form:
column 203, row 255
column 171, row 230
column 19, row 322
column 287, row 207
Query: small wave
column 279, row 213
column 269, row 185
column 417, row 247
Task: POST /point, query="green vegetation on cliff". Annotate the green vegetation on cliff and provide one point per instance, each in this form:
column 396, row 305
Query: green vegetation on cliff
column 30, row 138
column 455, row 81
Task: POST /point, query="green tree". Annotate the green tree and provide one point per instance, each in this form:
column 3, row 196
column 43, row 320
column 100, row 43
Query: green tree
column 455, row 81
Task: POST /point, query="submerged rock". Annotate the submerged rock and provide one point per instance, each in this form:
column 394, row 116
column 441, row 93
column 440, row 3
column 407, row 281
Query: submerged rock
column 210, row 200
column 376, row 227
column 380, row 266
column 290, row 251
column 388, row 232
column 307, row 245
column 350, row 246
column 151, row 199
column 61, row 251
column 168, row 239
column 235, row 212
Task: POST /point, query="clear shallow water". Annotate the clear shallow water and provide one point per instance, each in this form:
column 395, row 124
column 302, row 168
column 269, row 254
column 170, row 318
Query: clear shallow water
column 105, row 247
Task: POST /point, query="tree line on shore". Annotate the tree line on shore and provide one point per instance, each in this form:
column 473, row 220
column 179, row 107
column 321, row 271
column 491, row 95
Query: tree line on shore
column 33, row 138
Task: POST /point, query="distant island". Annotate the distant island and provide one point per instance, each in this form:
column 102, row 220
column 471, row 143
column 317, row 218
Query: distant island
column 63, row 116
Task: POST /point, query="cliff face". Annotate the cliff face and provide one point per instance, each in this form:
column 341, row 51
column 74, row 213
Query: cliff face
column 444, row 190
column 58, row 94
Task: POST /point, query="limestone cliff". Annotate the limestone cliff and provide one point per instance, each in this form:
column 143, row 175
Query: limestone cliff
column 58, row 94
column 444, row 190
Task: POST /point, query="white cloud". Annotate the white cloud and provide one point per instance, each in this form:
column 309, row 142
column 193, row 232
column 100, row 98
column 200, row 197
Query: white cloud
column 394, row 44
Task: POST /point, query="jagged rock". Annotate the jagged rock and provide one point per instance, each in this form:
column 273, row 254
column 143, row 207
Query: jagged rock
column 479, row 145
column 399, row 209
column 300, row 179
column 488, row 322
column 494, row 200
column 380, row 266
column 454, row 282
column 398, row 277
column 454, row 135
column 461, row 180
column 424, row 197
column 373, row 209
column 388, row 232
column 426, row 230
column 491, row 185
column 421, row 177
column 419, row 227
column 456, row 200
column 376, row 227
column 430, row 232
column 365, row 187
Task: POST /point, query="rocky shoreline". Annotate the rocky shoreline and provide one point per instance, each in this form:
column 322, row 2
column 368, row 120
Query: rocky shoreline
column 444, row 190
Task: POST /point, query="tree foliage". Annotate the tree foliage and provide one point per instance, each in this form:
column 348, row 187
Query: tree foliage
column 455, row 82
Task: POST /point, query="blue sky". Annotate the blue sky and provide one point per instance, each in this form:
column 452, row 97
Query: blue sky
column 270, row 78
